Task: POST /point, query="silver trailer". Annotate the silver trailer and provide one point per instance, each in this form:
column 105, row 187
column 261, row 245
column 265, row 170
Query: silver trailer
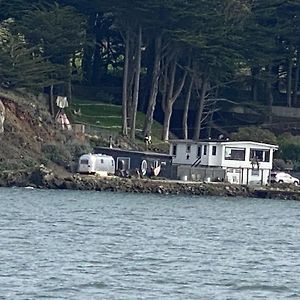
column 96, row 163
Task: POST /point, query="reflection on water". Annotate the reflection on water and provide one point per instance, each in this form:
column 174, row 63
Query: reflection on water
column 89, row 245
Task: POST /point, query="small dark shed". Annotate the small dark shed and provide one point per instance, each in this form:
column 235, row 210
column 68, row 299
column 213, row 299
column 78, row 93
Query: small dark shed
column 143, row 161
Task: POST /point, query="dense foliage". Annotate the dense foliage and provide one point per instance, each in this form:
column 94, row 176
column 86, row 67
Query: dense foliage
column 155, row 52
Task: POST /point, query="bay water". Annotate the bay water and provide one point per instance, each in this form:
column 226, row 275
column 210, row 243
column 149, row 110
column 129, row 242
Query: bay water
column 57, row 244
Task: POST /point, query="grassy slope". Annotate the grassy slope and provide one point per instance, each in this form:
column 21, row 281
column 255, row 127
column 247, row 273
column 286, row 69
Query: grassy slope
column 109, row 117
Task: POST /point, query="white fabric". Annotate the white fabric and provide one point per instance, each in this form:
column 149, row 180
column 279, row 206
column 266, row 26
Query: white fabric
column 63, row 120
column 62, row 102
column 2, row 116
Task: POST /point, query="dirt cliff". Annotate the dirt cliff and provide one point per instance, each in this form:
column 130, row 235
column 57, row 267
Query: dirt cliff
column 30, row 137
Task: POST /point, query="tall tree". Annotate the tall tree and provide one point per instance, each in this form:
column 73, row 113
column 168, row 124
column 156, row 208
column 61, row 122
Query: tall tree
column 57, row 31
column 20, row 66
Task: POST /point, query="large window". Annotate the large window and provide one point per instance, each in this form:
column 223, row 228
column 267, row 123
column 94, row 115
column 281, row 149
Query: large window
column 232, row 153
column 260, row 155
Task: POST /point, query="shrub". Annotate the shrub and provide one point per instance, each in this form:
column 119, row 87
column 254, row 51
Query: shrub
column 57, row 153
column 289, row 147
column 77, row 148
column 255, row 134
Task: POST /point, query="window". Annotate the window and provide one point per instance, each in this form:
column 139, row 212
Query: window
column 260, row 155
column 84, row 162
column 255, row 172
column 214, row 150
column 232, row 153
column 102, row 161
column 204, row 149
column 123, row 163
column 174, row 150
column 188, row 148
column 199, row 151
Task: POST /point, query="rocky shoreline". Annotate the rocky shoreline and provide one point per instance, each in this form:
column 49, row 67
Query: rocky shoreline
column 45, row 178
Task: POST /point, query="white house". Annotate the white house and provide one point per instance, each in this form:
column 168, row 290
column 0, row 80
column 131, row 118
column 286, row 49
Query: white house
column 245, row 162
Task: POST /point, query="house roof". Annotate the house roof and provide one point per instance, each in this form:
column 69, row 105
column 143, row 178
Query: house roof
column 223, row 142
column 250, row 143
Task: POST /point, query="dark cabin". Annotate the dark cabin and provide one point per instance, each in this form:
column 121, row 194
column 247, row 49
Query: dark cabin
column 143, row 161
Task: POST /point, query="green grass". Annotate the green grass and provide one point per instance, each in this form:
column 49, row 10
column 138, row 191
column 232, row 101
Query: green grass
column 109, row 117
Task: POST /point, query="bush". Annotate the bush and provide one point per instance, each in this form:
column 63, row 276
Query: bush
column 289, row 147
column 77, row 148
column 57, row 153
column 255, row 134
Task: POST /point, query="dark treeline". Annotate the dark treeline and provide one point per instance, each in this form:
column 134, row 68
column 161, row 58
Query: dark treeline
column 155, row 51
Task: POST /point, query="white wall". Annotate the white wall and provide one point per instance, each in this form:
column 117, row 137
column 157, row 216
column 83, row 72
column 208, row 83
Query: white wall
column 237, row 171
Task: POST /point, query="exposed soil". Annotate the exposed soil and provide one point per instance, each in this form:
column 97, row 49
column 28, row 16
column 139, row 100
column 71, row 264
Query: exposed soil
column 27, row 127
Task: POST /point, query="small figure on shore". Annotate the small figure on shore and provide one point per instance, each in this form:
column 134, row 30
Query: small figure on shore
column 147, row 140
column 110, row 141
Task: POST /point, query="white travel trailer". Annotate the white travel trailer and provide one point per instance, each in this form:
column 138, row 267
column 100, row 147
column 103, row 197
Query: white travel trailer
column 96, row 163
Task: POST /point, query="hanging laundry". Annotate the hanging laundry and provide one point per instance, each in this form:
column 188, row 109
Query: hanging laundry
column 63, row 121
column 62, row 102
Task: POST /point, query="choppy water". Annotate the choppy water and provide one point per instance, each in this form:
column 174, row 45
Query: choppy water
column 89, row 245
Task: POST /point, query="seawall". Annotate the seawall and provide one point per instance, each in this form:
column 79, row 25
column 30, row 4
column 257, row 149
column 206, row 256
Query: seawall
column 44, row 178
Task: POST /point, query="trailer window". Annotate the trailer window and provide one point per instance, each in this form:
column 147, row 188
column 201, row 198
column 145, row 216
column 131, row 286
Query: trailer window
column 84, row 162
column 102, row 161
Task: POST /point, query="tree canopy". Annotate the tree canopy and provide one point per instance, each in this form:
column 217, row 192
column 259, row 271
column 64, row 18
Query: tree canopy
column 158, row 53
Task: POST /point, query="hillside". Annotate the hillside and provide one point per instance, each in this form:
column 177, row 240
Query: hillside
column 30, row 137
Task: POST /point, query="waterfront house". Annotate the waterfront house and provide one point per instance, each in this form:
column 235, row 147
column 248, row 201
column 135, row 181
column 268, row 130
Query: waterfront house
column 242, row 162
column 145, row 162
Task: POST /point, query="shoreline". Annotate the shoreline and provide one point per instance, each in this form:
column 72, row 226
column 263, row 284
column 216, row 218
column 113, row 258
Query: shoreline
column 44, row 178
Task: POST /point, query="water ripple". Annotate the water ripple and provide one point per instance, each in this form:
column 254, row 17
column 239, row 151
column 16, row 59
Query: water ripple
column 89, row 245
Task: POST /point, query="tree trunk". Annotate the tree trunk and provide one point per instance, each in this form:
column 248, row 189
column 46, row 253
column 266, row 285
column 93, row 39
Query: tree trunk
column 154, row 87
column 51, row 100
column 171, row 98
column 297, row 74
column 97, row 67
column 68, row 85
column 186, row 110
column 270, row 97
column 167, row 120
column 255, row 72
column 289, row 83
column 69, row 91
column 136, row 83
column 125, row 85
column 200, row 109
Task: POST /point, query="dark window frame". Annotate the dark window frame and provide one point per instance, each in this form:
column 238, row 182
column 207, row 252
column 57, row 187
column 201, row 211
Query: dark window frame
column 214, row 150
column 199, row 151
column 174, row 150
column 239, row 154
